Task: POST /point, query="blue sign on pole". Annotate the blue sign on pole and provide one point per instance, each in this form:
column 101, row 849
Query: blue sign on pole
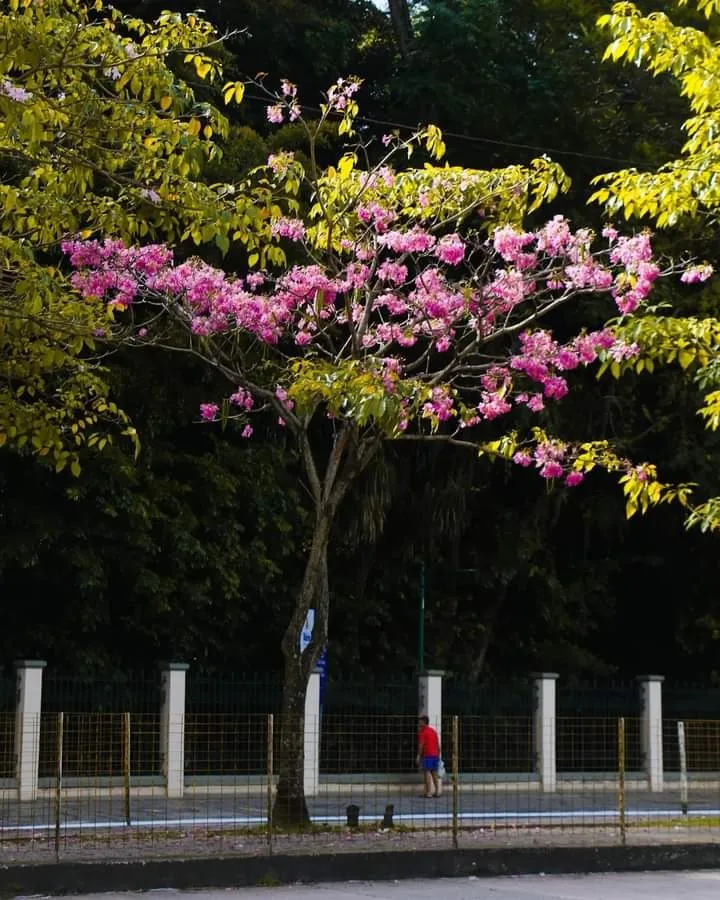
column 322, row 666
column 305, row 638
column 307, row 630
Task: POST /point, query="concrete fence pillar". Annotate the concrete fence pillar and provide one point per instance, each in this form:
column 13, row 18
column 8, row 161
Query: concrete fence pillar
column 172, row 727
column 545, row 728
column 311, row 771
column 430, row 698
column 651, row 738
column 29, row 673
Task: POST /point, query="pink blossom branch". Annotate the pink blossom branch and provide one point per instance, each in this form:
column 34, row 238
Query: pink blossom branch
column 410, row 306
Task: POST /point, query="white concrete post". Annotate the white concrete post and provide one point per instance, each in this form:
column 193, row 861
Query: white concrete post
column 311, row 771
column 651, row 729
column 27, row 726
column 430, row 698
column 544, row 729
column 172, row 727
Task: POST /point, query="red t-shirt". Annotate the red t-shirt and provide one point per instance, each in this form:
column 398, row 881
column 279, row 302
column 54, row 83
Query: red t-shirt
column 428, row 741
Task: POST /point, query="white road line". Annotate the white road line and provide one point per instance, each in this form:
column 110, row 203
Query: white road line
column 528, row 817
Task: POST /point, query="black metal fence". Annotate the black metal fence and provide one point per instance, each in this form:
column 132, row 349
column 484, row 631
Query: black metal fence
column 691, row 701
column 487, row 698
column 94, row 804
column 8, row 692
column 237, row 692
column 137, row 692
column 369, row 725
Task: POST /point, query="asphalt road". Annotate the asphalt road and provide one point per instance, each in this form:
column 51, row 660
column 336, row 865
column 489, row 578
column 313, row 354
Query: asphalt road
column 237, row 809
column 641, row 886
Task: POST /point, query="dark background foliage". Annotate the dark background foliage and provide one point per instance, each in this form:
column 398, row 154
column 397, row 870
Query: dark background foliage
column 195, row 551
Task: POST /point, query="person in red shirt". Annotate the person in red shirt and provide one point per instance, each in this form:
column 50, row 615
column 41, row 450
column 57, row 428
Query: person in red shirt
column 428, row 757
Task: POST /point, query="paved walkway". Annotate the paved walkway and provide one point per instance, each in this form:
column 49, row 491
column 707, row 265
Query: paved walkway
column 105, row 810
column 650, row 886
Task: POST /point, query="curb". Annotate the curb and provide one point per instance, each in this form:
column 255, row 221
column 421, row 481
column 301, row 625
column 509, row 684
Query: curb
column 223, row 872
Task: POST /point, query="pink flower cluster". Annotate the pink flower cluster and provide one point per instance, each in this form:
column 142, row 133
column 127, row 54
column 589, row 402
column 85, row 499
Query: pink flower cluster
column 209, row 411
column 635, row 254
column 404, row 309
column 280, row 163
column 505, row 291
column 392, row 370
column 394, row 272
column 376, row 215
column 541, row 357
column 440, row 406
column 242, row 399
column 341, row 93
column 112, row 271
column 555, row 238
column 14, row 92
column 510, row 242
column 415, row 241
column 450, row 249
column 541, row 360
column 579, row 269
column 292, row 229
column 550, row 458
column 697, row 273
column 286, row 105
column 392, row 290
column 150, row 195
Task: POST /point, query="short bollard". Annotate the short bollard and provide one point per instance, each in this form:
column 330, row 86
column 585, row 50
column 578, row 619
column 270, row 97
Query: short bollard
column 353, row 816
column 387, row 821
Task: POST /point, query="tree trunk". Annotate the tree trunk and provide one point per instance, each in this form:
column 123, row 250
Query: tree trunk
column 347, row 459
column 402, row 26
column 290, row 807
column 490, row 620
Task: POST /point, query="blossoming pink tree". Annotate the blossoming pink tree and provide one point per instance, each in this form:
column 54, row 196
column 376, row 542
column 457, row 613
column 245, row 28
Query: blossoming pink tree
column 415, row 314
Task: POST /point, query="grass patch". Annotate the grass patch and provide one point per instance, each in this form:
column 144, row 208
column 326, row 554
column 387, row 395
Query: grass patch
column 679, row 822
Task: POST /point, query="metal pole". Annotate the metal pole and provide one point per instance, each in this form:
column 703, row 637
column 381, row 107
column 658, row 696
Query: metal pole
column 455, row 755
column 126, row 764
column 683, row 768
column 58, row 782
column 421, row 621
column 621, row 780
column 270, row 734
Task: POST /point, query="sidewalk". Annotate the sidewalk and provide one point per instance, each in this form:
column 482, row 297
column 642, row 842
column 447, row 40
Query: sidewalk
column 229, row 806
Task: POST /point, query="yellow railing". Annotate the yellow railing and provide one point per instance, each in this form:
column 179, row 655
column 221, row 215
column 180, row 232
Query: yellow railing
column 136, row 785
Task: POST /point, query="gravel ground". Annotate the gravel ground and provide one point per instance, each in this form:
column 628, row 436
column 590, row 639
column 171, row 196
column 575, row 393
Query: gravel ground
column 201, row 842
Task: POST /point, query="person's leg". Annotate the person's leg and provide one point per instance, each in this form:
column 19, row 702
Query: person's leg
column 428, row 780
column 437, row 782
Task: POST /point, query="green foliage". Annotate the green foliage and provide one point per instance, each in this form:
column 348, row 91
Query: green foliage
column 212, row 538
column 243, row 149
column 353, row 390
column 310, row 42
column 687, row 186
column 448, row 194
column 684, row 189
column 293, row 136
column 662, row 340
column 191, row 552
column 97, row 135
column 517, row 77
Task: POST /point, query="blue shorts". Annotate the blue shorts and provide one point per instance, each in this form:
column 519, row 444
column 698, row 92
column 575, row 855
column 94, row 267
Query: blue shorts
column 430, row 763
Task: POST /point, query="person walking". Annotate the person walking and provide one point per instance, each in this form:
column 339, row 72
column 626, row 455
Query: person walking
column 428, row 757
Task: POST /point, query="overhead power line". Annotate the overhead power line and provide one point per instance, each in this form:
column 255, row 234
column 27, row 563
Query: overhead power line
column 514, row 145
